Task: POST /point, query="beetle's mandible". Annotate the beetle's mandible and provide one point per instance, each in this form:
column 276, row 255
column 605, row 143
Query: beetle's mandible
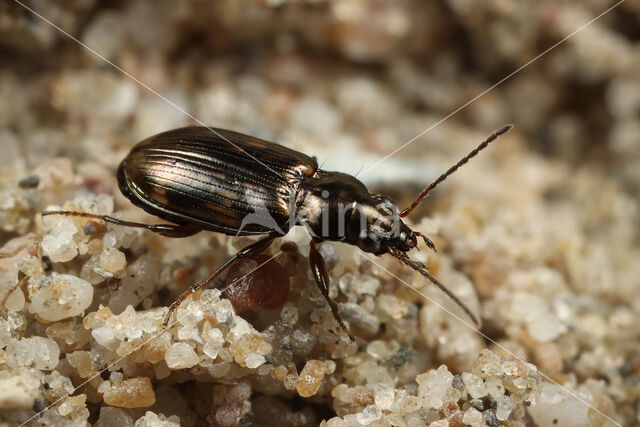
column 218, row 180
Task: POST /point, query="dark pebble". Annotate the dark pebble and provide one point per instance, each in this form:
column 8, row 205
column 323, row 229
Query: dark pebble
column 29, row 182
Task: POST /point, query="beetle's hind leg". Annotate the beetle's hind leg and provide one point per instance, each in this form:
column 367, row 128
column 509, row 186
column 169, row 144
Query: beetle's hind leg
column 169, row 230
column 249, row 251
column 321, row 276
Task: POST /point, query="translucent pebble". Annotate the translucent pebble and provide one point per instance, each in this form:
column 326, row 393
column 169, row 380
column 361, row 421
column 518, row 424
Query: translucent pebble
column 218, row 370
column 58, row 244
column 112, row 260
column 264, row 348
column 161, row 371
column 132, row 393
column 360, row 318
column 310, row 378
column 104, row 336
column 95, row 203
column 393, row 306
column 549, row 357
column 155, row 349
column 104, row 35
column 189, row 333
column 70, row 403
column 66, row 407
column 329, row 367
column 81, row 361
column 411, row 404
column 104, row 386
column 434, row 388
column 18, row 391
column 488, row 364
column 378, row 349
column 181, row 356
column 140, row 280
column 91, row 271
column 254, row 360
column 366, row 286
column 351, row 420
column 290, row 381
column 289, row 313
column 15, row 301
column 554, row 407
column 384, row 395
column 109, row 240
column 510, row 368
column 439, row 423
column 279, row 372
column 38, row 352
column 244, row 346
column 214, row 335
column 302, row 342
column 110, row 416
column 373, row 373
column 330, row 254
column 504, row 407
column 472, row 417
column 151, row 419
column 223, row 311
column 545, row 327
column 211, row 349
column 475, row 385
column 368, row 415
column 116, row 377
column 30, row 266
column 356, row 285
column 66, row 296
column 495, row 387
column 336, row 422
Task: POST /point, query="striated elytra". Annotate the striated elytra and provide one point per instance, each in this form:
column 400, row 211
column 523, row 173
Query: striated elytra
column 200, row 178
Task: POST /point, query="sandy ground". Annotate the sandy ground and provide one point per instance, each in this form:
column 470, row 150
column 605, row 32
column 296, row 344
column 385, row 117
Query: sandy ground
column 538, row 235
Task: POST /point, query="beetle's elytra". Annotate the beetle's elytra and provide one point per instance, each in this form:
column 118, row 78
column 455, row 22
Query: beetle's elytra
column 200, row 178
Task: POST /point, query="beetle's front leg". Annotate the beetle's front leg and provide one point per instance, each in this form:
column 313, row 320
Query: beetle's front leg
column 169, row 230
column 320, row 274
column 249, row 251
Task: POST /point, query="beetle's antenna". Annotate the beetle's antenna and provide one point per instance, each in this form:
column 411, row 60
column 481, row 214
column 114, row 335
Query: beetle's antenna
column 454, row 168
column 421, row 268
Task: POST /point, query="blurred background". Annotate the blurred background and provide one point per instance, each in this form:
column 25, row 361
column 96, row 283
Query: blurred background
column 346, row 81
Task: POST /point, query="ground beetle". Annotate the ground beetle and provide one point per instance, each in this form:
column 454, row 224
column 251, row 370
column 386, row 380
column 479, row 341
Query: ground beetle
column 201, row 178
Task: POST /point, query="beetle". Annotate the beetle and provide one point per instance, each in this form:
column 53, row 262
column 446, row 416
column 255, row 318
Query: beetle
column 200, row 178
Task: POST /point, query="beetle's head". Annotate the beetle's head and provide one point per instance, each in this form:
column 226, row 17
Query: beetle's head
column 375, row 226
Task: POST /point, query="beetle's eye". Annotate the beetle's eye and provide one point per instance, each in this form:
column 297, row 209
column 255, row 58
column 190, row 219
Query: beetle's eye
column 403, row 235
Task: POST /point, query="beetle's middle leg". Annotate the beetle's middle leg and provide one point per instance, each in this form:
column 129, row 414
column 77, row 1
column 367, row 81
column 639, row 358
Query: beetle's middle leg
column 249, row 251
column 320, row 274
column 169, row 230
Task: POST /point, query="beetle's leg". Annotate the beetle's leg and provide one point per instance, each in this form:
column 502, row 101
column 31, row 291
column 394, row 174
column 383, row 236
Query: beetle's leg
column 320, row 274
column 251, row 250
column 169, row 230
